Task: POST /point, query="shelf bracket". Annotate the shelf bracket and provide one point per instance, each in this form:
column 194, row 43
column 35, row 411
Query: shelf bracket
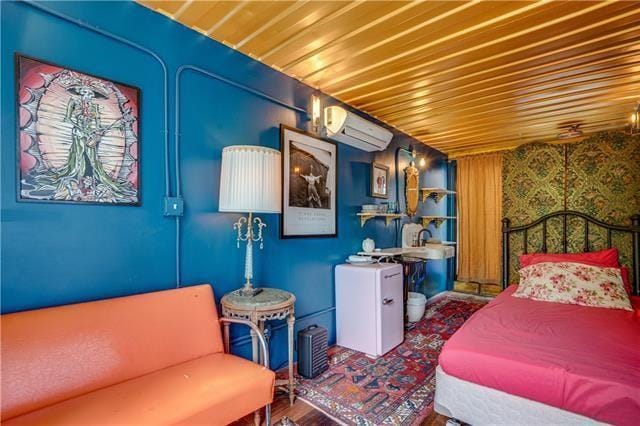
column 436, row 221
column 436, row 195
column 364, row 219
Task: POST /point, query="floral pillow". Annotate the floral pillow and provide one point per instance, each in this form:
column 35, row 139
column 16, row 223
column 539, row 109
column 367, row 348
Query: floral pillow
column 574, row 283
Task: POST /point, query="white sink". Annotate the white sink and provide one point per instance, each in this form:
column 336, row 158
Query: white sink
column 431, row 251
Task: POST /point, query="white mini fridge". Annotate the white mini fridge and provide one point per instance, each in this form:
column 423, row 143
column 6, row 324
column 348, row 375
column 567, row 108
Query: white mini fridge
column 369, row 307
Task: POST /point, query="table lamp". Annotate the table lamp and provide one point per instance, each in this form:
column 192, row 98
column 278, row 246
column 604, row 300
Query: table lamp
column 250, row 182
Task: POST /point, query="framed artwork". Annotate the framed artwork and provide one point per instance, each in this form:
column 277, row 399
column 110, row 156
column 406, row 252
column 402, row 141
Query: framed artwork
column 379, row 180
column 78, row 136
column 309, row 184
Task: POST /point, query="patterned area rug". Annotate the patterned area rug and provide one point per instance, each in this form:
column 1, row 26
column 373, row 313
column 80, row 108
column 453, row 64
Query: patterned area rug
column 398, row 388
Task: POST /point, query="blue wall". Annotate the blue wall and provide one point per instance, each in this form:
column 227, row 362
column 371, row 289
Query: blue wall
column 433, row 175
column 56, row 254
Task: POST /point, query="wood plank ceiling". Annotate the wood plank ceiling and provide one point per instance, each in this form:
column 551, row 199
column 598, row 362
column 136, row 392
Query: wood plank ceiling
column 463, row 77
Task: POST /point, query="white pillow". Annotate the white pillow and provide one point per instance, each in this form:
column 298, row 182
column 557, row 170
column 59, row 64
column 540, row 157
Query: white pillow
column 573, row 283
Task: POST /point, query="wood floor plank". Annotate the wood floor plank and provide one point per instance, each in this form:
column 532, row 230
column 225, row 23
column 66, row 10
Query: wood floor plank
column 304, row 414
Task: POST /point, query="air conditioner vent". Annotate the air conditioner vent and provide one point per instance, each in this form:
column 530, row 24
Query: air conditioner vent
column 351, row 129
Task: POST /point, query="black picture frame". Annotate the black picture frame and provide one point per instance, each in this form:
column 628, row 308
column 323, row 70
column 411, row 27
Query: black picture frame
column 287, row 209
column 18, row 57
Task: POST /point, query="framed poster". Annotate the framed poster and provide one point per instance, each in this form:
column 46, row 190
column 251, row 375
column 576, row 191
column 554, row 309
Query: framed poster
column 309, row 184
column 78, row 136
column 379, row 180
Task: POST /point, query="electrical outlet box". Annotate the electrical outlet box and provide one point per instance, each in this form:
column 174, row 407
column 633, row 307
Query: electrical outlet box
column 173, row 206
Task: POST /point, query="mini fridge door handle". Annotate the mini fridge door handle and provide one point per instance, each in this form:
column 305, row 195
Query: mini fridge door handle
column 386, row 277
column 387, row 301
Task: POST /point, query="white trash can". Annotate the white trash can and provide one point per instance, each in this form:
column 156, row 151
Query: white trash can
column 415, row 306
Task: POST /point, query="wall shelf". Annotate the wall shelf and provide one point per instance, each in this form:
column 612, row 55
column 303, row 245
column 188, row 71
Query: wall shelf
column 437, row 220
column 364, row 217
column 436, row 193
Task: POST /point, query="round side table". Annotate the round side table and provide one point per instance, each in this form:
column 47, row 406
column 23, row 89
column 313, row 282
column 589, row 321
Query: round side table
column 270, row 304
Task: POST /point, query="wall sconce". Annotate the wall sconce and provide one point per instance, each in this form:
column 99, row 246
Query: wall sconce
column 422, row 163
column 315, row 113
column 634, row 126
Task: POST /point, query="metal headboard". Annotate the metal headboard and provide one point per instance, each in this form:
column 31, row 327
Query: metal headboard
column 633, row 229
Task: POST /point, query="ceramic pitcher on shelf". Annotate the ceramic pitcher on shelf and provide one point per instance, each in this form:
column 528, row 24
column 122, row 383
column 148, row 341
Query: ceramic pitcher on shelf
column 368, row 245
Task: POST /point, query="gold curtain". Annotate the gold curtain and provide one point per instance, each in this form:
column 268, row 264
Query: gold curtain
column 479, row 191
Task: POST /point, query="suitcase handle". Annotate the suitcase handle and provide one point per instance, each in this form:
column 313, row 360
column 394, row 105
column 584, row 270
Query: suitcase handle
column 387, row 301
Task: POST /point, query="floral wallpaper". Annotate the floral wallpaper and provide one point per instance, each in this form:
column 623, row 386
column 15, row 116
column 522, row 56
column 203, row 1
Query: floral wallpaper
column 603, row 177
column 599, row 176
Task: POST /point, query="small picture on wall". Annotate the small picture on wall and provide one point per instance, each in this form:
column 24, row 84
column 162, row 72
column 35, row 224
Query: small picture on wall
column 78, row 136
column 379, row 180
column 309, row 185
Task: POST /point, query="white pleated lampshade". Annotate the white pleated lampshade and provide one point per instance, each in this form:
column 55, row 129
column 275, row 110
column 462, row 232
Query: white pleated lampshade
column 250, row 180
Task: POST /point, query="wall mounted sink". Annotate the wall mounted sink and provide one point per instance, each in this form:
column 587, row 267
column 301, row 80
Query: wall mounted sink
column 431, row 251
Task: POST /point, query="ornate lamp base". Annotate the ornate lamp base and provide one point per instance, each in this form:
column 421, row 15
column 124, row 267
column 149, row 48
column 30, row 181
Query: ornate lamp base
column 250, row 291
column 250, row 237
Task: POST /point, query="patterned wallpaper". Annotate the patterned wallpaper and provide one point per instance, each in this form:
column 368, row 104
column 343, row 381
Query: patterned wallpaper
column 599, row 176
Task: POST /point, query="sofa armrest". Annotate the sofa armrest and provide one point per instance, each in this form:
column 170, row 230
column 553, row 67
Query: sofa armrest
column 254, row 328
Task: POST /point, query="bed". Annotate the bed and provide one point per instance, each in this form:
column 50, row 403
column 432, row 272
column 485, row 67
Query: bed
column 523, row 361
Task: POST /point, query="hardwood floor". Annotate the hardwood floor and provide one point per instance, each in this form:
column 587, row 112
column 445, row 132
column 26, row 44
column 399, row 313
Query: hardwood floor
column 304, row 414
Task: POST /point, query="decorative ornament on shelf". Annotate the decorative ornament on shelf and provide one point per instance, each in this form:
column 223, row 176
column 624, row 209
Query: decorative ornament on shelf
column 250, row 182
column 368, row 245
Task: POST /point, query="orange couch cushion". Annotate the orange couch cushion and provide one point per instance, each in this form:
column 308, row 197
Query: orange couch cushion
column 214, row 390
column 50, row 355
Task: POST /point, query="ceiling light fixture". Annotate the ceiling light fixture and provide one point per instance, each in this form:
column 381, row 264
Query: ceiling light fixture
column 572, row 132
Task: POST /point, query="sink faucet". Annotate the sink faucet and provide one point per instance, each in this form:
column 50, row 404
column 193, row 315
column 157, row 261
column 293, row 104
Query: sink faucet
column 421, row 239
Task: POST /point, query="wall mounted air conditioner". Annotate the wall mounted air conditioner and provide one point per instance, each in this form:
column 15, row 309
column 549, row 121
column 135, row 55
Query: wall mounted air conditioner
column 349, row 128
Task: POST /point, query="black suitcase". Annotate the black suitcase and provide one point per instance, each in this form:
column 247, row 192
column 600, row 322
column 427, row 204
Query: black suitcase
column 313, row 359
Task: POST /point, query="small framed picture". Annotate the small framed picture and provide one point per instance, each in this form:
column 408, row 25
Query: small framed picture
column 309, row 180
column 379, row 180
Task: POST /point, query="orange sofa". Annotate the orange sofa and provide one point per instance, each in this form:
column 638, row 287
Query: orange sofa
column 148, row 359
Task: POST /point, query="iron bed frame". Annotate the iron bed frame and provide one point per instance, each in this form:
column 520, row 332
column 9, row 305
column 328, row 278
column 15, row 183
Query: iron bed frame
column 633, row 229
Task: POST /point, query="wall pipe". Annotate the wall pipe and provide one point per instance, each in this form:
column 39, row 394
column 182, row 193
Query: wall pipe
column 165, row 96
column 163, row 65
column 178, row 172
column 218, row 77
column 154, row 55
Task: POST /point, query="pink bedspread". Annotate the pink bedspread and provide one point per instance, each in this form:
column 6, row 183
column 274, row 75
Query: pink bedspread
column 580, row 359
